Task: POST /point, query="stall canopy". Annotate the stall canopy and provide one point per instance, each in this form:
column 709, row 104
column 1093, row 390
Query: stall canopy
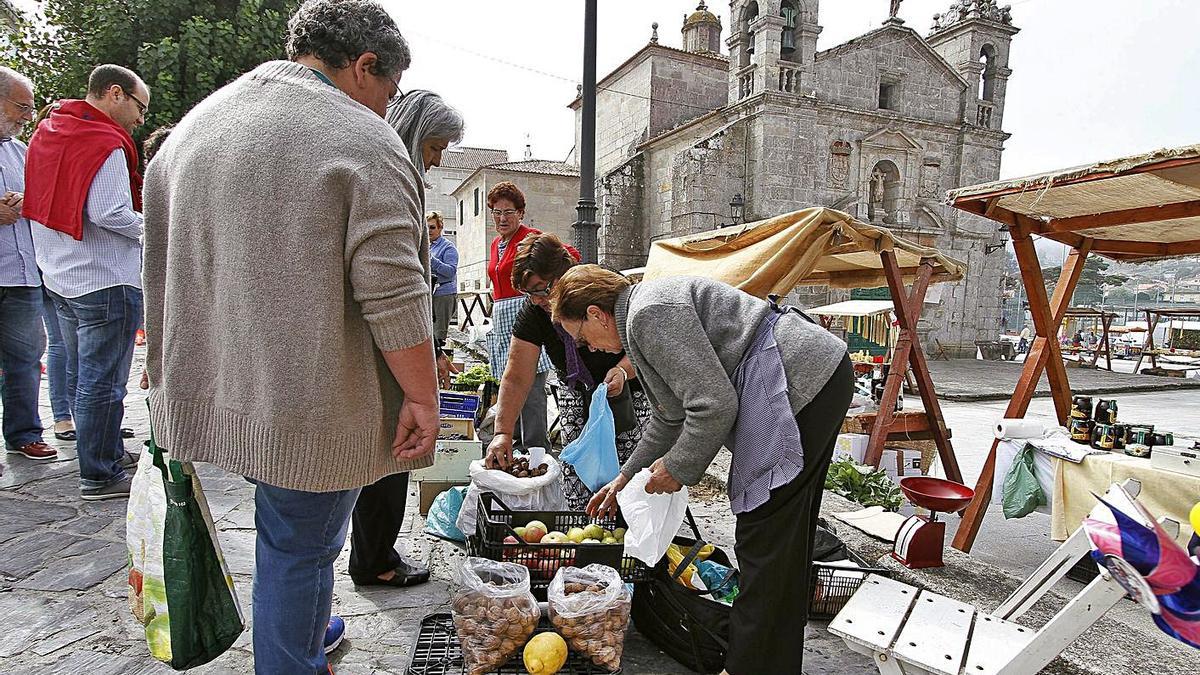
column 810, row 247
column 1132, row 209
column 1136, row 208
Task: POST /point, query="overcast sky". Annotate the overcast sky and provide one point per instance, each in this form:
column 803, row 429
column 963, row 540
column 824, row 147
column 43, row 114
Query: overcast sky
column 1092, row 79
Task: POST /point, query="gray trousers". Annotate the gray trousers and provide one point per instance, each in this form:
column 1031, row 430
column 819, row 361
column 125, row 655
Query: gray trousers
column 532, row 422
column 443, row 313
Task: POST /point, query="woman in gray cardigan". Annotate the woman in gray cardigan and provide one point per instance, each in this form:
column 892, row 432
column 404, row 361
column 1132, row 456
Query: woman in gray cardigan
column 722, row 367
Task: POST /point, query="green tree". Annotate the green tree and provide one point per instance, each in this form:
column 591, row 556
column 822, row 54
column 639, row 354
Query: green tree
column 1094, row 280
column 183, row 49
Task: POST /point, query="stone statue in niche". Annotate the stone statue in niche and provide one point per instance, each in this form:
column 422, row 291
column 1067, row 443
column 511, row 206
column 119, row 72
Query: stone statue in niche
column 839, row 164
column 875, row 203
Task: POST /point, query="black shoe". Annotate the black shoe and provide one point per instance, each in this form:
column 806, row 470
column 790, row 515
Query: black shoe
column 126, row 432
column 407, row 574
column 65, row 435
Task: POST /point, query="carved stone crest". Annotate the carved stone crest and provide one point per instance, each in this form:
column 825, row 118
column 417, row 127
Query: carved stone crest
column 930, row 179
column 839, row 164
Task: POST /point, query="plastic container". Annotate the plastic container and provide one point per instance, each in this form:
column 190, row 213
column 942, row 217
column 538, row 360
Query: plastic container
column 495, row 521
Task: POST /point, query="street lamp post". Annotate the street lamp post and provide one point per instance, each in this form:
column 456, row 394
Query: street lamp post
column 585, row 211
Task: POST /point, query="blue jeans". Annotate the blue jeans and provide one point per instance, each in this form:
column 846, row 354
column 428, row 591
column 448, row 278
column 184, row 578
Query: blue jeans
column 300, row 534
column 22, row 342
column 98, row 330
column 62, row 380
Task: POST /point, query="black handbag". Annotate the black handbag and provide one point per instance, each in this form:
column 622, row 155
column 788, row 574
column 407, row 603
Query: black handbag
column 689, row 628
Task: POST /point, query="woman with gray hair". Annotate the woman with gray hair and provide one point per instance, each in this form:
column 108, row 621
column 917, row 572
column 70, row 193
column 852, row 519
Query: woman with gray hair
column 427, row 125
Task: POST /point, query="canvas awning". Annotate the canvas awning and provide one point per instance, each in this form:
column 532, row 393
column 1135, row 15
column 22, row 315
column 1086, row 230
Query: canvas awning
column 815, row 246
column 854, row 308
column 1135, row 208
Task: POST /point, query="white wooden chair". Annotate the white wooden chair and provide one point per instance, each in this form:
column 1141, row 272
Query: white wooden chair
column 907, row 630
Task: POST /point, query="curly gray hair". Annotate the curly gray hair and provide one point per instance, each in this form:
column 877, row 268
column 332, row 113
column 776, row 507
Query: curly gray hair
column 420, row 115
column 340, row 31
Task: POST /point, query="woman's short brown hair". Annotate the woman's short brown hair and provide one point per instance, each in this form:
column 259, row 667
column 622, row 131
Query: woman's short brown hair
column 435, row 216
column 542, row 254
column 506, row 190
column 583, row 286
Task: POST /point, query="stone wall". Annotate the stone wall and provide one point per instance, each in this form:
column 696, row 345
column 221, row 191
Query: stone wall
column 622, row 227
column 475, row 232
column 623, row 116
column 684, row 87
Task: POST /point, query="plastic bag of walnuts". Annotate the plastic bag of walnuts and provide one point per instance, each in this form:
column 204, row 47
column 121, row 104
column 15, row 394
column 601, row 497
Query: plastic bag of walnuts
column 494, row 613
column 589, row 606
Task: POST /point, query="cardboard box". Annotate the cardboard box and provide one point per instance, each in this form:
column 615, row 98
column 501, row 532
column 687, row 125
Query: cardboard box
column 450, row 426
column 428, row 490
column 900, row 463
column 853, row 446
column 451, row 462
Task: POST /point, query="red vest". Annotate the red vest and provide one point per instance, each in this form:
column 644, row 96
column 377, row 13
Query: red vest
column 66, row 151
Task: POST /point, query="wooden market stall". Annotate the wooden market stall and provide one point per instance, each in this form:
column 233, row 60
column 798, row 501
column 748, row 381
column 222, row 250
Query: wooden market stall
column 1136, row 208
column 1104, row 346
column 825, row 247
column 1153, row 317
column 869, row 319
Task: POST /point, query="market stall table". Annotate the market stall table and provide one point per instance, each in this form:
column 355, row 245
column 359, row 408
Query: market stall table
column 821, row 246
column 1074, row 314
column 1164, row 493
column 1153, row 316
column 1131, row 209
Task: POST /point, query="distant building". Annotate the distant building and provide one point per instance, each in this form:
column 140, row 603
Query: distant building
column 551, row 193
column 880, row 126
column 457, row 164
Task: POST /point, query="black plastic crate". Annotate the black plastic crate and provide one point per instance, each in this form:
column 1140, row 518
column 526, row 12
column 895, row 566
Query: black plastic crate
column 496, row 521
column 833, row 585
column 438, row 652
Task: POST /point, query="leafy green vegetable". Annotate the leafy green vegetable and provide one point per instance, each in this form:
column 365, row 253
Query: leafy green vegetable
column 474, row 376
column 863, row 484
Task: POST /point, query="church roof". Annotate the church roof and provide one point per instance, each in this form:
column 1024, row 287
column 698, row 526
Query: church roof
column 894, row 27
column 465, row 157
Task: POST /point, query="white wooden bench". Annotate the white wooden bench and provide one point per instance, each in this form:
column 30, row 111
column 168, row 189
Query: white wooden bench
column 907, row 630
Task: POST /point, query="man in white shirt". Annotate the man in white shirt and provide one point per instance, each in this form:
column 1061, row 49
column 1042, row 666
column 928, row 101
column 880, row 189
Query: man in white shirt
column 89, row 248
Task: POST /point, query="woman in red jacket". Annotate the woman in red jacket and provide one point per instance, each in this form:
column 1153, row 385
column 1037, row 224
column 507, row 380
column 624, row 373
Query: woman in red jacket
column 506, row 203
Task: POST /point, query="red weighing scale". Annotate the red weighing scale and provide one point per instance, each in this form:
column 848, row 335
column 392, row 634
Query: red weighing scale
column 920, row 540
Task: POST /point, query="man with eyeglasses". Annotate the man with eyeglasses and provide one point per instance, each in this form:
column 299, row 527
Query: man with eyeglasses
column 83, row 193
column 22, row 340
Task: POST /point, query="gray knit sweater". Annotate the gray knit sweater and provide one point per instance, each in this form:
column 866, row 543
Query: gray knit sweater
column 686, row 337
column 284, row 248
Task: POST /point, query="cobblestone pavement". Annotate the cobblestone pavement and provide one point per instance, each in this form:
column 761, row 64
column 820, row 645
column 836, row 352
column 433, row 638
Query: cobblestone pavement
column 62, row 578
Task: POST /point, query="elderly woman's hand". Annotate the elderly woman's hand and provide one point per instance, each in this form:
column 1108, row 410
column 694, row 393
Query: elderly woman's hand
column 615, row 380
column 603, row 504
column 661, row 481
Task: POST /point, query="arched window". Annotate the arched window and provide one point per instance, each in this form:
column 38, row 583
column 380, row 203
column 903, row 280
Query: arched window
column 787, row 43
column 884, row 195
column 749, row 14
column 987, row 75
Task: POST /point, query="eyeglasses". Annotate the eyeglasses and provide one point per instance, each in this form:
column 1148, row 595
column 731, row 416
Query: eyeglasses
column 498, row 213
column 25, row 108
column 540, row 293
column 142, row 107
column 580, row 341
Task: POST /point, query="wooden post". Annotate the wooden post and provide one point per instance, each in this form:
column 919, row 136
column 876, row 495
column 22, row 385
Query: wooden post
column 1148, row 343
column 907, row 352
column 1107, row 322
column 1044, row 353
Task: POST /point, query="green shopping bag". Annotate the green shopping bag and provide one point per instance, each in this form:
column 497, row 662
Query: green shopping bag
column 180, row 588
column 1022, row 492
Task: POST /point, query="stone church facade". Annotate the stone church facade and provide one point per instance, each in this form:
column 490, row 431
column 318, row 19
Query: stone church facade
column 880, row 126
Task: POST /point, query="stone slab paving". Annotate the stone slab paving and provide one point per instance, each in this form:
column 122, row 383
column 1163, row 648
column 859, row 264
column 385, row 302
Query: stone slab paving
column 971, row 380
column 63, row 588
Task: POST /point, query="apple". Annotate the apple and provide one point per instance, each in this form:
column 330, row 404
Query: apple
column 511, row 551
column 575, row 534
column 537, row 523
column 610, row 540
column 619, row 533
column 590, row 541
column 593, row 531
column 556, row 538
column 520, row 530
column 534, row 534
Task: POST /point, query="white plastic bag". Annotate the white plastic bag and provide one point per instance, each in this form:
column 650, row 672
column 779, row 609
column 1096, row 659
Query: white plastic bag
column 653, row 519
column 540, row 493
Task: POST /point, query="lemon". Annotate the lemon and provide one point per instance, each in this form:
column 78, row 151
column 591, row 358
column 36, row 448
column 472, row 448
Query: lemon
column 544, row 654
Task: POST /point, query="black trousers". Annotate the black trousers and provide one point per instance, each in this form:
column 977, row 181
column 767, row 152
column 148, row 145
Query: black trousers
column 376, row 521
column 774, row 545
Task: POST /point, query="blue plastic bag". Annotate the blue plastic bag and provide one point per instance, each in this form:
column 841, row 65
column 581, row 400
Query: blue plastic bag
column 594, row 453
column 444, row 512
